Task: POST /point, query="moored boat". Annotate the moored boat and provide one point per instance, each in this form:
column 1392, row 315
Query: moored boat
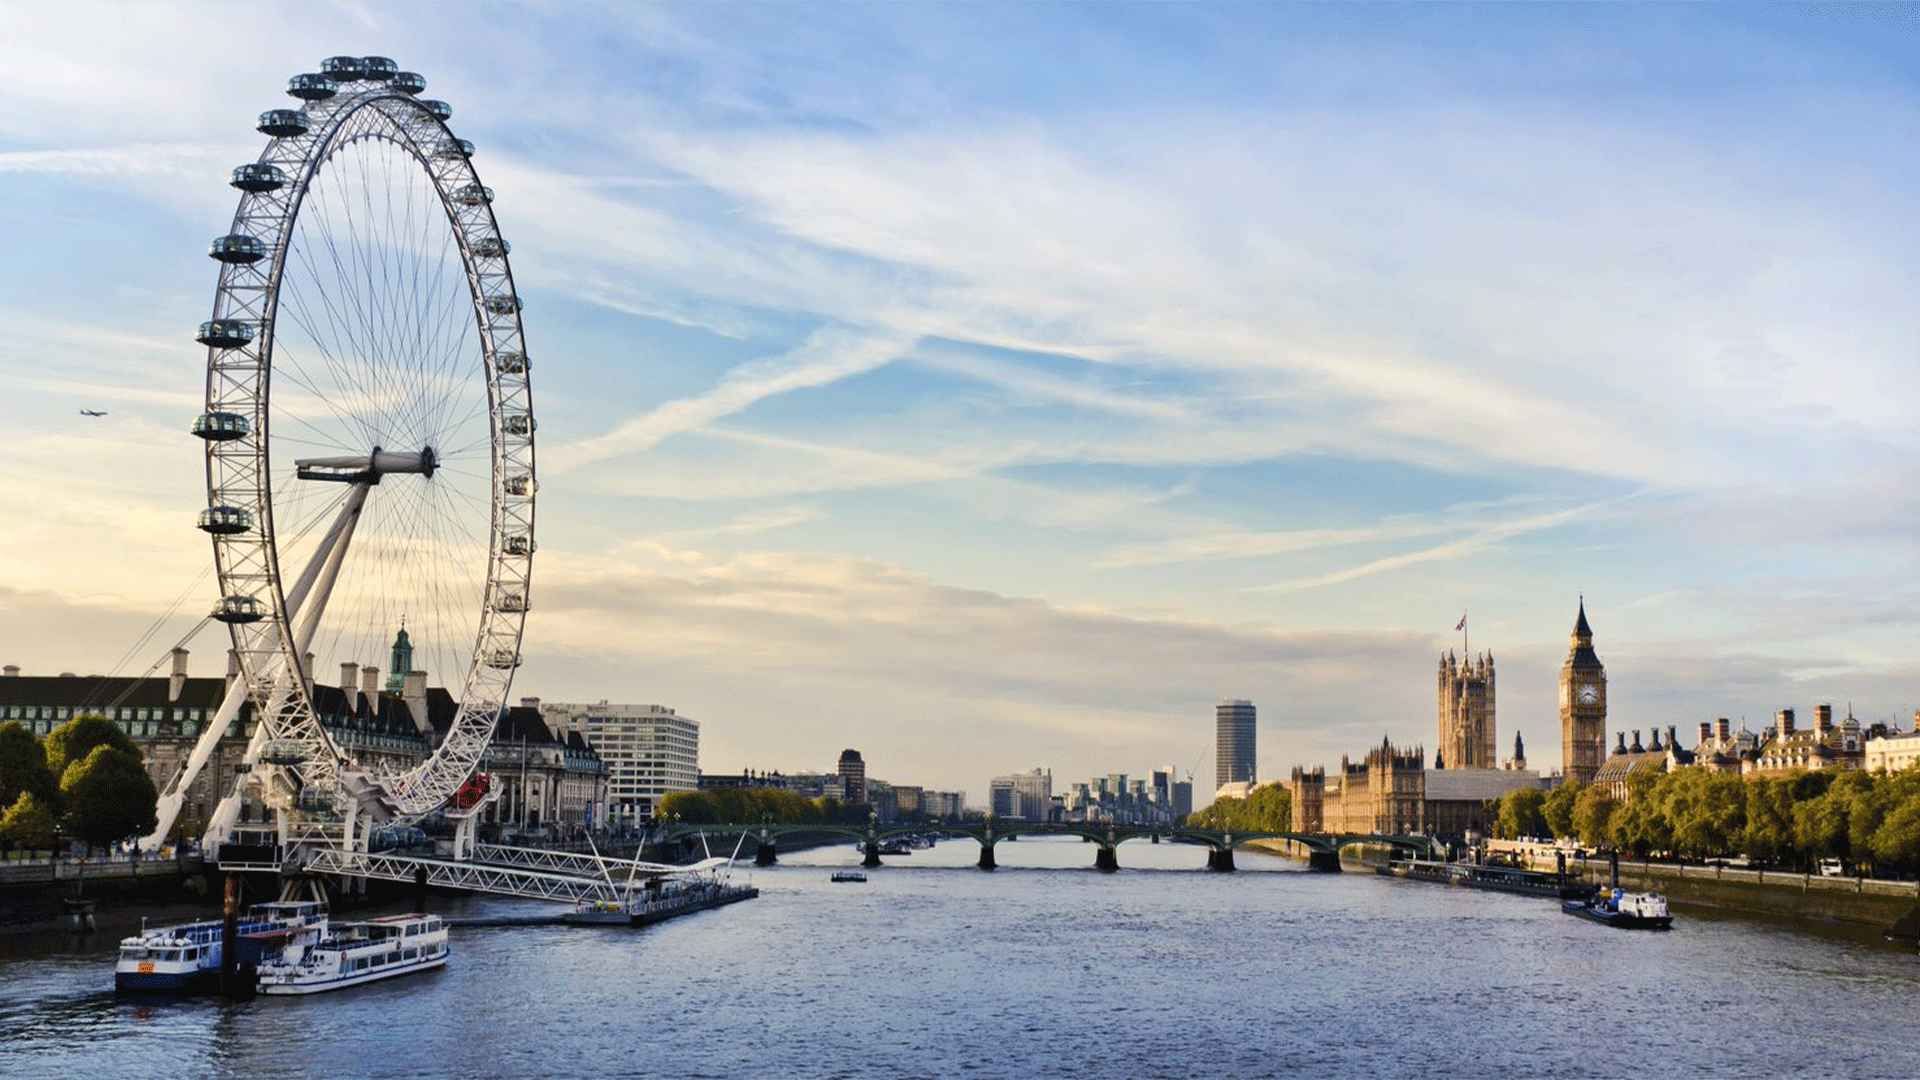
column 1633, row 911
column 848, row 875
column 185, row 958
column 313, row 959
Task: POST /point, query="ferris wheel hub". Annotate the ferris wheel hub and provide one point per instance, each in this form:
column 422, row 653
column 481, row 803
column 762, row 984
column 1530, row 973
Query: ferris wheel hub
column 368, row 469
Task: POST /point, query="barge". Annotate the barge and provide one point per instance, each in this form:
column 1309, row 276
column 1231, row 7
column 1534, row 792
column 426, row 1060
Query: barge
column 1508, row 879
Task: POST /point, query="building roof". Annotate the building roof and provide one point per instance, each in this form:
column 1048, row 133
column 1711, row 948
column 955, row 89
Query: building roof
column 1477, row 785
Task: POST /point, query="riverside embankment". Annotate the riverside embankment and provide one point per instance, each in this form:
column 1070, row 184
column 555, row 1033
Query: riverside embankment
column 1865, row 901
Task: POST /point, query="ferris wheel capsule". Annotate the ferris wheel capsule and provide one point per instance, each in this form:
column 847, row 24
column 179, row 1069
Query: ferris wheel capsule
column 441, row 110
column 312, row 87
column 226, row 520
column 239, row 609
column 378, row 68
column 283, row 123
column 257, row 177
column 491, row 247
column 407, row 82
column 237, row 248
column 224, row 333
column 221, row 426
column 343, row 69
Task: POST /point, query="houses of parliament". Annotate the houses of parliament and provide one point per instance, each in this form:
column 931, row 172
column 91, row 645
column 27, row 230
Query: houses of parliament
column 1391, row 790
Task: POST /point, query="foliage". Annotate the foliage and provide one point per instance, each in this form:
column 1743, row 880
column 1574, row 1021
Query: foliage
column 74, row 740
column 28, row 823
column 750, row 806
column 109, row 797
column 1871, row 821
column 1557, row 810
column 1265, row 809
column 1518, row 813
column 23, row 766
column 1593, row 812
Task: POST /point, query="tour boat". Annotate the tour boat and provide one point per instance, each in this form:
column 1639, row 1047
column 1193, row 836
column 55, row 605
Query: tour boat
column 313, row 960
column 1634, row 911
column 185, row 958
column 849, row 875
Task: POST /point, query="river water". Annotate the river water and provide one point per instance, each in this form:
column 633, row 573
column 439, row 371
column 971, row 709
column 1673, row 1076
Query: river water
column 1041, row 968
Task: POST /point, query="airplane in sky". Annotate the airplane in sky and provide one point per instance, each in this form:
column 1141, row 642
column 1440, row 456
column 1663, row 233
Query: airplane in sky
column 92, row 412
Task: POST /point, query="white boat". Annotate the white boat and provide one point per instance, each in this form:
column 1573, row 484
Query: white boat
column 312, row 961
column 185, row 958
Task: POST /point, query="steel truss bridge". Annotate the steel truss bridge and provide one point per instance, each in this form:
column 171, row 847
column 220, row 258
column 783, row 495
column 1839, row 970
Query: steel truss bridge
column 1323, row 849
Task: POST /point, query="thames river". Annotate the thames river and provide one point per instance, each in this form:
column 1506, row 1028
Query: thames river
column 1041, row 968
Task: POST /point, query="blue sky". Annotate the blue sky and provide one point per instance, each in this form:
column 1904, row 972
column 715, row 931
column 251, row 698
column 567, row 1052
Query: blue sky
column 988, row 386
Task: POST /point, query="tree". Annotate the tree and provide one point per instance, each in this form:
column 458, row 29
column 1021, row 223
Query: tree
column 1557, row 810
column 1768, row 835
column 23, row 766
column 109, row 797
column 1520, row 813
column 77, row 738
column 28, row 823
column 1593, row 814
column 1896, row 845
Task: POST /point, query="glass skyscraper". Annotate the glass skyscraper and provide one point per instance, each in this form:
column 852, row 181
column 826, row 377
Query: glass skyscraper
column 1233, row 742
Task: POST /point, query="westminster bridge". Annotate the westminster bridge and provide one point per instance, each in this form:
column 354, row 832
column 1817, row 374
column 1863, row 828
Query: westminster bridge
column 1323, row 849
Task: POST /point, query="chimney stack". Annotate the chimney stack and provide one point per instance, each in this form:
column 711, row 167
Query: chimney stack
column 1621, row 747
column 1823, row 718
column 349, row 681
column 1783, row 720
column 1724, row 727
column 12, row 671
column 1636, row 747
column 370, row 687
column 1653, row 737
column 414, row 693
column 1706, row 732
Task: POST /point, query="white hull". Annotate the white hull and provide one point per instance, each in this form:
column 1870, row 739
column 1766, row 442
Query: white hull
column 321, row 984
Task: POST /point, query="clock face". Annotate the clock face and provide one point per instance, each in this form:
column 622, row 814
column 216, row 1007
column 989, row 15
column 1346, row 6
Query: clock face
column 1588, row 694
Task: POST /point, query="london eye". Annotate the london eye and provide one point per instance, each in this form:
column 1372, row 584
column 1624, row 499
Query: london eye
column 369, row 445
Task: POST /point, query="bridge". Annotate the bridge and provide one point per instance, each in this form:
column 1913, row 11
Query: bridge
column 1323, row 849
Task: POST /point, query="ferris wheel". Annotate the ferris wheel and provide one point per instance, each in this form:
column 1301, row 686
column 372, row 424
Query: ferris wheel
column 369, row 440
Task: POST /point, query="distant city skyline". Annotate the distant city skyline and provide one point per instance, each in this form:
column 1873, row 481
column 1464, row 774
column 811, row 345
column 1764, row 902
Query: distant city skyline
column 982, row 384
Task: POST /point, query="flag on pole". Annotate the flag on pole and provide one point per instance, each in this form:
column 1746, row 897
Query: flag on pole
column 1462, row 624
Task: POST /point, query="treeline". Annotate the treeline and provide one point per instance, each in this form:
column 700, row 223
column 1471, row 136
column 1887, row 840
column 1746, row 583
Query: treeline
column 87, row 782
column 743, row 806
column 1267, row 809
column 1870, row 820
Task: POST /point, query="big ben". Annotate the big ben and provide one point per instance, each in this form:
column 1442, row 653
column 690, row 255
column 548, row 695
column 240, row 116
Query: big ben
column 1583, row 705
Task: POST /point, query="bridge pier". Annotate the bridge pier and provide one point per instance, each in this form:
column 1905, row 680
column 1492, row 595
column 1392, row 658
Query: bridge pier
column 872, row 858
column 766, row 853
column 986, row 857
column 1220, row 859
column 1326, row 862
column 1107, row 859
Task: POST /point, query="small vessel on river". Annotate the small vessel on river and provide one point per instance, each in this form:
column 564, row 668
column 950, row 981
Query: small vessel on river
column 312, row 960
column 1511, row 879
column 185, row 958
column 1633, row 911
column 657, row 899
column 848, row 875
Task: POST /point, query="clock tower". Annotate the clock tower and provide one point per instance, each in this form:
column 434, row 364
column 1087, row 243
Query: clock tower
column 1583, row 705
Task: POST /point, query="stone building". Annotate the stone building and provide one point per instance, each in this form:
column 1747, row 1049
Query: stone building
column 650, row 751
column 1467, row 732
column 1825, row 745
column 372, row 728
column 1655, row 757
column 1583, row 705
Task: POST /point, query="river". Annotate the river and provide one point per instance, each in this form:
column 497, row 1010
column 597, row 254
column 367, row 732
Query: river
column 1041, row 968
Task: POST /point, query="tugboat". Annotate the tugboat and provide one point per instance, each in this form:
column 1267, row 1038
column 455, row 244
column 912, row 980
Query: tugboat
column 1631, row 911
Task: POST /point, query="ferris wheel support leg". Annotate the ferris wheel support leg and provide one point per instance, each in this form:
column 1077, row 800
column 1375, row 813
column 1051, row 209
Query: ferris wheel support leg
column 322, row 571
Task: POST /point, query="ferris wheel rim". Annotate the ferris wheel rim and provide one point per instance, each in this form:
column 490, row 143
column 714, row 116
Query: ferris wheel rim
column 241, row 471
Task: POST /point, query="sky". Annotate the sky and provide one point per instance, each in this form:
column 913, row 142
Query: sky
column 998, row 386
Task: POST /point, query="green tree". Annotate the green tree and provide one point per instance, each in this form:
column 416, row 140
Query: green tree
column 1820, row 828
column 1896, row 844
column 28, row 823
column 1265, row 809
column 23, row 766
column 1520, row 814
column 1705, row 811
column 1593, row 815
column 1768, row 835
column 77, row 738
column 109, row 797
column 1557, row 810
